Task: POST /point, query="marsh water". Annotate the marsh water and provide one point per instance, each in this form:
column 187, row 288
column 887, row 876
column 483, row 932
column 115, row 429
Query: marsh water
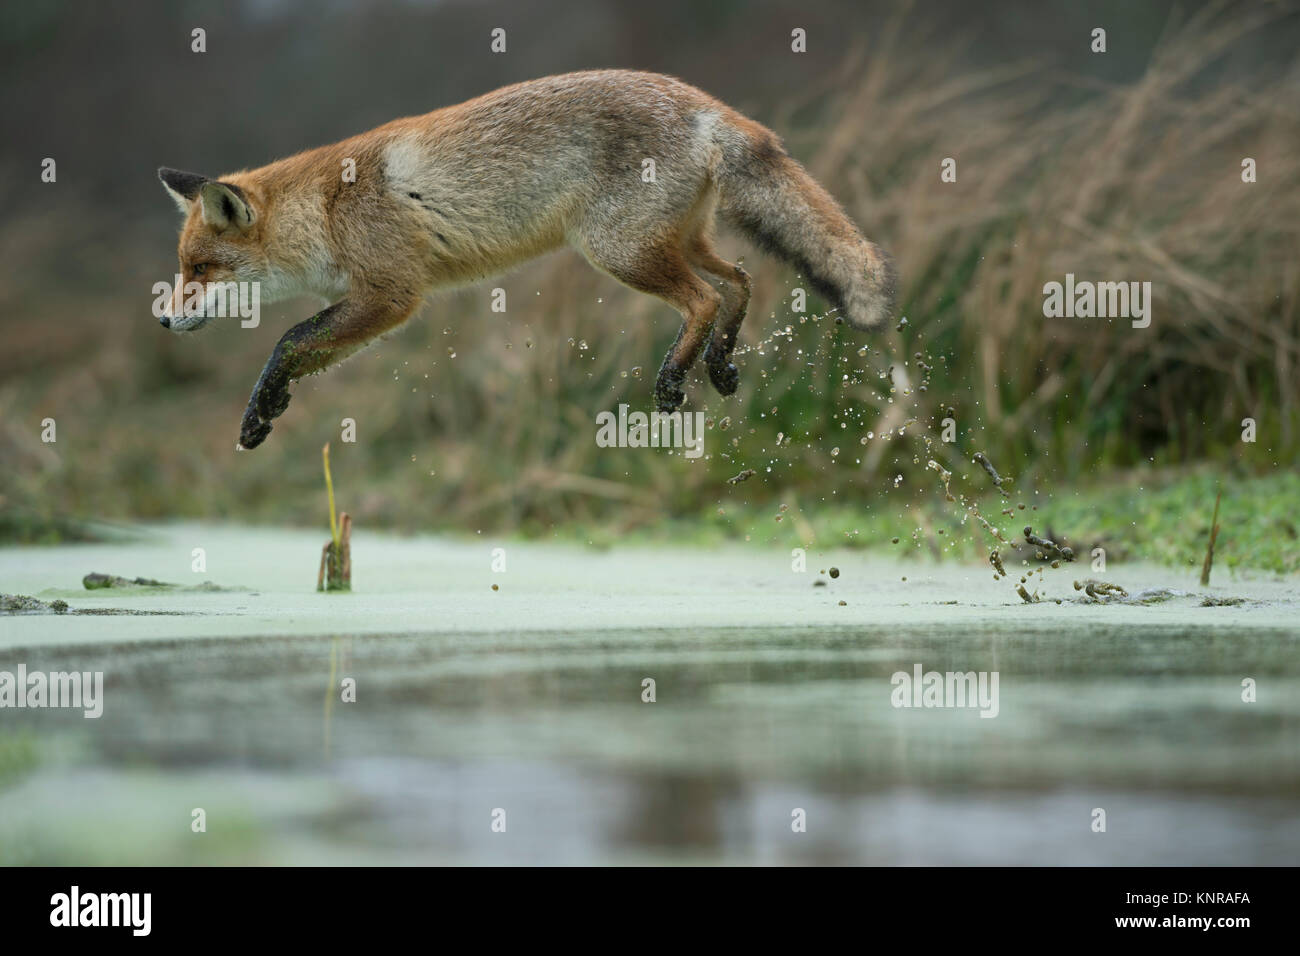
column 486, row 729
column 747, row 725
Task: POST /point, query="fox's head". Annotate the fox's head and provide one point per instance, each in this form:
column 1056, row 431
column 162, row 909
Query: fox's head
column 220, row 243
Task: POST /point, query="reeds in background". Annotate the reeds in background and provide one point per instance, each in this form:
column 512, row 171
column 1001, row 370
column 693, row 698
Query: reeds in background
column 475, row 420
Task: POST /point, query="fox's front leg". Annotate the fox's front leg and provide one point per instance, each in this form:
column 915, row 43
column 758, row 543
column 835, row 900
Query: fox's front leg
column 311, row 346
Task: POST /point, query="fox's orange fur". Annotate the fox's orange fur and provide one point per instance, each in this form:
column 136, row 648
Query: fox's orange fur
column 471, row 190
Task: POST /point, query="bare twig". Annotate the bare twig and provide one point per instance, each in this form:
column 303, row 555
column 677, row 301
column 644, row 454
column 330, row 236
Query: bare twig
column 1209, row 550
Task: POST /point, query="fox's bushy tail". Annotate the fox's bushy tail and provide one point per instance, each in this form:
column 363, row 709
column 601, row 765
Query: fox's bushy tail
column 773, row 200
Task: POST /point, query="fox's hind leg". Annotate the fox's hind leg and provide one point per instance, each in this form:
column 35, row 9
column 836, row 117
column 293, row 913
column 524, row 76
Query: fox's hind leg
column 735, row 303
column 662, row 270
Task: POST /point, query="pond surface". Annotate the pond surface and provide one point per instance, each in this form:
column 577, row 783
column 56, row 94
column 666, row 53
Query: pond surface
column 748, row 725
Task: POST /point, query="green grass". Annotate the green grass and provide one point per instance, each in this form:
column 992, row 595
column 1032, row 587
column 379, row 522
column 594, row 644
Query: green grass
column 1160, row 518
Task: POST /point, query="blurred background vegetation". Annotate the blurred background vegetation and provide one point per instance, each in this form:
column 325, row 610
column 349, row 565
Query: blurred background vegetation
column 1117, row 166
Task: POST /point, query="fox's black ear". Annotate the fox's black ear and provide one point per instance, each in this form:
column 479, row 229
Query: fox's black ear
column 184, row 187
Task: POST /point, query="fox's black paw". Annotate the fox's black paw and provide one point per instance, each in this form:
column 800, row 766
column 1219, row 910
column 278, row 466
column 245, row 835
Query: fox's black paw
column 253, row 429
column 668, row 393
column 271, row 401
column 724, row 376
column 669, row 400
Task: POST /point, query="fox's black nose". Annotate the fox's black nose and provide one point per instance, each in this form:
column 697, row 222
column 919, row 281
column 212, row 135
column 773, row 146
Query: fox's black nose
column 166, row 322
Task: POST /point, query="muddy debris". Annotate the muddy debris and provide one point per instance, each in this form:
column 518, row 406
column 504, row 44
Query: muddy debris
column 1103, row 592
column 16, row 604
column 97, row 582
column 982, row 460
column 24, row 604
column 1047, row 549
column 126, row 612
column 1100, row 590
column 995, row 559
column 1156, row 596
column 745, row 475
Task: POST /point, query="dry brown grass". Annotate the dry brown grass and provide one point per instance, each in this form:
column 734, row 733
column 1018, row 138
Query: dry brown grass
column 1056, row 174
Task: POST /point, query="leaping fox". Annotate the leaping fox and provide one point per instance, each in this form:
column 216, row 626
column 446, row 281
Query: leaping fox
column 464, row 192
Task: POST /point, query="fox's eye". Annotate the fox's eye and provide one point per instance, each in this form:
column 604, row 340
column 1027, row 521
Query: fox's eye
column 200, row 268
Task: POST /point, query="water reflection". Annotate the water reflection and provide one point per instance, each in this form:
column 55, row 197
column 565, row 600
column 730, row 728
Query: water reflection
column 747, row 727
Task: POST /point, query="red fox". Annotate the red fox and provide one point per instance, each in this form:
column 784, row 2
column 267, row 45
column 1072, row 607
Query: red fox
column 464, row 192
